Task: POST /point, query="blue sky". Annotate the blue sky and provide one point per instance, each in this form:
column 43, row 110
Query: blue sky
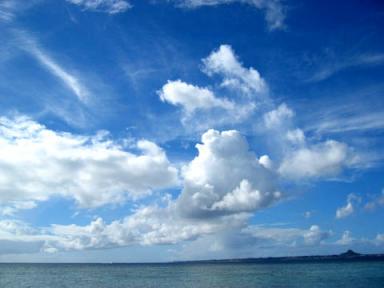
column 136, row 131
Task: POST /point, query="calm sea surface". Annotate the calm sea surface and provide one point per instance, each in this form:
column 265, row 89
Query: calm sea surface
column 357, row 274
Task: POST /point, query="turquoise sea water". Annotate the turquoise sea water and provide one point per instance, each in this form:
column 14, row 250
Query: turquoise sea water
column 355, row 274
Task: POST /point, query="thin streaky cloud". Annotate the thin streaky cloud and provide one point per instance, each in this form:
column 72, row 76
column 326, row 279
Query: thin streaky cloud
column 330, row 69
column 274, row 9
column 336, row 124
column 68, row 79
column 347, row 118
column 107, row 6
column 9, row 9
column 6, row 14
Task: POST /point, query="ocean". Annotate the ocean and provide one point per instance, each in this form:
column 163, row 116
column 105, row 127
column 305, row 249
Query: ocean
column 324, row 274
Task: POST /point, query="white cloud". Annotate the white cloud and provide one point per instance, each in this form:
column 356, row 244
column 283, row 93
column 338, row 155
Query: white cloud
column 202, row 108
column 13, row 207
column 296, row 136
column 225, row 63
column 348, row 209
column 345, row 211
column 14, row 227
column 266, row 162
column 191, row 97
column 325, row 159
column 108, row 6
column 274, row 11
column 302, row 159
column 278, row 117
column 346, row 238
column 225, row 178
column 379, row 239
column 223, row 185
column 288, row 236
column 243, row 198
column 37, row 163
column 315, row 235
column 149, row 225
column 274, row 234
column 19, row 237
column 376, row 202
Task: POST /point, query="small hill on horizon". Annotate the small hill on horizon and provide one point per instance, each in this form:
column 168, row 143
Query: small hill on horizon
column 350, row 253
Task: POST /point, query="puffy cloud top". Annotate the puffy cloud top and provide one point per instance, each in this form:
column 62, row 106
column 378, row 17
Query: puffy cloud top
column 325, row 159
column 225, row 178
column 278, row 116
column 225, row 63
column 191, row 97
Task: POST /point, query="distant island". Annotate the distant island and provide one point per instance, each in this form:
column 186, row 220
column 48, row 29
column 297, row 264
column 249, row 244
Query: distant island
column 350, row 255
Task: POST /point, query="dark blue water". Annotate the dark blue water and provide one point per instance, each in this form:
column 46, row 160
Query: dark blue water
column 356, row 274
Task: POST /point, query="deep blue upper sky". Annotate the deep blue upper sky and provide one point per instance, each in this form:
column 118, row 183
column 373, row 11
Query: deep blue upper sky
column 102, row 104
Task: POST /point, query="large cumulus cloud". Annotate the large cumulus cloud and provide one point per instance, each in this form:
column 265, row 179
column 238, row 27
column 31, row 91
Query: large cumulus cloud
column 37, row 163
column 226, row 178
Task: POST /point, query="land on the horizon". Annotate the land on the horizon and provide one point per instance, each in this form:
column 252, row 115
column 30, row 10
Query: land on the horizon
column 349, row 255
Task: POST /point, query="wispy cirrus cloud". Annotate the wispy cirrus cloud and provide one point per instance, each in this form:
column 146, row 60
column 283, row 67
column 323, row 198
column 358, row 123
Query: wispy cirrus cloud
column 68, row 93
column 71, row 81
column 9, row 9
column 333, row 64
column 274, row 9
column 6, row 11
column 67, row 78
column 347, row 118
column 108, row 6
column 377, row 201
